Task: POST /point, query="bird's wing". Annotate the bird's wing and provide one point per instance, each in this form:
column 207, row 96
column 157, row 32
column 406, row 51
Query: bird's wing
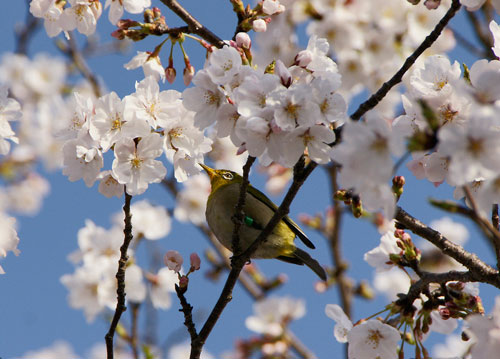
column 291, row 224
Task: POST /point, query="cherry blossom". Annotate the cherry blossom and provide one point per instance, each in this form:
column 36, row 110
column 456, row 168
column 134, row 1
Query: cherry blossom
column 152, row 222
column 82, row 159
column 116, row 8
column 162, row 284
column 272, row 314
column 473, row 149
column 81, row 15
column 192, row 200
column 223, row 65
column 150, row 63
column 10, row 110
column 173, row 260
column 8, row 238
column 373, row 339
column 50, row 12
column 343, row 323
column 109, row 126
column 136, row 166
column 148, row 104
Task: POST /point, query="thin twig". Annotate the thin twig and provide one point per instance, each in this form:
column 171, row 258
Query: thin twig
column 387, row 86
column 494, row 234
column 495, row 219
column 194, row 25
column 468, row 45
column 187, row 310
column 485, row 38
column 134, row 313
column 72, row 51
column 344, row 287
column 120, row 276
column 26, row 32
column 335, row 247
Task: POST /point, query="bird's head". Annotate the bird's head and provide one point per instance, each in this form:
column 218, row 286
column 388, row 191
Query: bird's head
column 220, row 178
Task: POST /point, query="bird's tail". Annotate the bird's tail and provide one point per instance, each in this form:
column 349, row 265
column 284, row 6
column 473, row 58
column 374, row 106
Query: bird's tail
column 304, row 258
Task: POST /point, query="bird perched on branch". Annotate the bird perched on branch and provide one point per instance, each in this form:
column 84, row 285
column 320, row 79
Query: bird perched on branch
column 257, row 212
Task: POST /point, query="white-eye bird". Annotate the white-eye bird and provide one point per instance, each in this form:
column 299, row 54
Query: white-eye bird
column 257, row 212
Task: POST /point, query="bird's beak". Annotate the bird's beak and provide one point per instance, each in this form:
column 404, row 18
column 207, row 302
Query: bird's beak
column 208, row 170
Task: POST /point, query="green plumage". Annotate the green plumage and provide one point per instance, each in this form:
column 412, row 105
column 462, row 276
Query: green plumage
column 258, row 210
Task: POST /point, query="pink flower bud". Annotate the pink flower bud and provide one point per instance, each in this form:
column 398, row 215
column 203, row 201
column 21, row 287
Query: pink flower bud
column 170, row 74
column 281, row 70
column 432, row 4
column 303, row 58
column 259, row 25
column 243, row 40
column 183, row 282
column 173, row 260
column 195, row 261
column 188, row 74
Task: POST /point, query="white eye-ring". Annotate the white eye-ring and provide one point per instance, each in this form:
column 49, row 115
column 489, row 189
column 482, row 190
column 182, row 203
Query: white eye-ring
column 227, row 175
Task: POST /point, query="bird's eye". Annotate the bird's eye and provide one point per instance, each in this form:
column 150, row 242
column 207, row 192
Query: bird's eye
column 227, row 175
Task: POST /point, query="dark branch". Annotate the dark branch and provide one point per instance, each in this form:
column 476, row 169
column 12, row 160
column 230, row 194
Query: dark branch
column 387, row 86
column 194, row 25
column 482, row 272
column 427, row 278
column 120, row 277
column 187, row 310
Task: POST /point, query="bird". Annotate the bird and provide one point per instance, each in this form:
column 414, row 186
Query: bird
column 257, row 212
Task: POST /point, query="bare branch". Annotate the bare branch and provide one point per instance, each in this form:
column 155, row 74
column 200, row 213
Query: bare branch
column 194, row 25
column 482, row 272
column 120, row 277
column 187, row 310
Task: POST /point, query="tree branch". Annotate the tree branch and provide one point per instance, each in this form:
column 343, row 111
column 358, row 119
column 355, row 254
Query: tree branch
column 387, row 86
column 482, row 272
column 187, row 310
column 120, row 277
column 427, row 278
column 71, row 50
column 194, row 25
column 335, row 246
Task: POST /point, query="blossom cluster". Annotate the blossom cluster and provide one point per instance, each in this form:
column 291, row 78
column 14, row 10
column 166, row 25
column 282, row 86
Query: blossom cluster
column 81, row 15
column 460, row 113
column 140, row 128
column 368, row 39
column 92, row 287
column 274, row 116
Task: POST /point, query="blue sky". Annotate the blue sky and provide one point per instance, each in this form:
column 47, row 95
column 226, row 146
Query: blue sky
column 33, row 304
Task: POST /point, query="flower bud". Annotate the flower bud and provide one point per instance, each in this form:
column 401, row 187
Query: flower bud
column 170, row 74
column 183, row 282
column 188, row 74
column 195, row 261
column 243, row 40
column 173, row 260
column 432, row 4
column 303, row 58
column 259, row 25
column 283, row 73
